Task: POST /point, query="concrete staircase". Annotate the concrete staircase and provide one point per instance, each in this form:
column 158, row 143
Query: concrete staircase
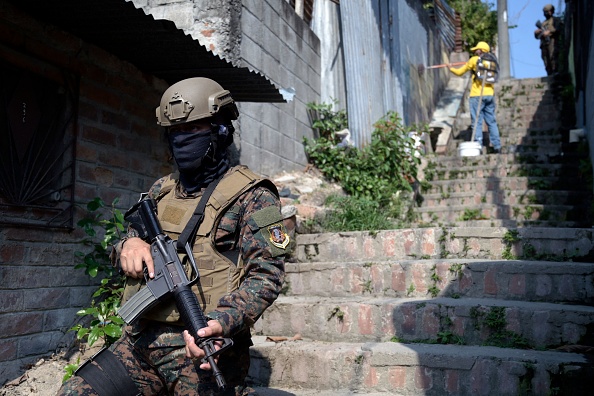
column 493, row 293
column 538, row 181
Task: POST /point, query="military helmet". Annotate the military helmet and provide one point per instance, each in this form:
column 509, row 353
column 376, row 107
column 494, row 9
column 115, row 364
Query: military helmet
column 548, row 7
column 482, row 46
column 193, row 99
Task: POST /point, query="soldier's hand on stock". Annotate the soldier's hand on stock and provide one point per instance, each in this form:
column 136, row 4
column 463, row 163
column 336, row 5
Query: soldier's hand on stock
column 214, row 329
column 135, row 254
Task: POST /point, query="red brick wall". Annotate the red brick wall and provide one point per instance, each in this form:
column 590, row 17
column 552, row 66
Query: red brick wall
column 119, row 153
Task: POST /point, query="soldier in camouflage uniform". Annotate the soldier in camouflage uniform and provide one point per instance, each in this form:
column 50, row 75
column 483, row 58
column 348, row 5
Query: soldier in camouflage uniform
column 247, row 234
column 550, row 36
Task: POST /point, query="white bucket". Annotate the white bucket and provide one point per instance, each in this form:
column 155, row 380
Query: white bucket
column 469, row 149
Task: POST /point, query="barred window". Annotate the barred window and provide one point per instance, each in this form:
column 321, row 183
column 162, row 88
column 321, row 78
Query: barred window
column 37, row 143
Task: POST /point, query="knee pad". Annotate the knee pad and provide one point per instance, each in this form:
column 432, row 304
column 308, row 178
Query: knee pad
column 107, row 375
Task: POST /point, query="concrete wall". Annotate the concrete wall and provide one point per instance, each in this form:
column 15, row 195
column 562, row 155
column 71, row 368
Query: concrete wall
column 278, row 43
column 268, row 37
column 119, row 152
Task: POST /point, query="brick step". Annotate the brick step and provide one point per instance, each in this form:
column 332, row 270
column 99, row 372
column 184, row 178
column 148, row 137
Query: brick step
column 520, row 140
column 523, row 148
column 539, row 86
column 512, row 224
column 493, row 183
column 413, row 369
column 518, row 212
column 469, row 321
column 530, row 112
column 490, row 170
column 532, row 133
column 529, row 120
column 446, row 242
column 539, row 281
column 504, row 159
column 538, row 107
column 517, row 197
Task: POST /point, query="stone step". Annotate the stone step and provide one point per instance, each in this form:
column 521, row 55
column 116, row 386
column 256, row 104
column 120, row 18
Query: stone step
column 413, row 369
column 546, row 142
column 533, row 133
column 468, row 321
column 529, row 114
column 543, row 281
column 529, row 119
column 447, row 242
column 517, row 197
column 490, row 170
column 526, row 108
column 511, row 224
column 535, row 148
column 519, row 212
column 493, row 183
column 454, row 161
column 541, row 108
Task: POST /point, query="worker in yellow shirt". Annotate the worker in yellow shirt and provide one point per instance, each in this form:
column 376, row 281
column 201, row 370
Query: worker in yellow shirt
column 487, row 101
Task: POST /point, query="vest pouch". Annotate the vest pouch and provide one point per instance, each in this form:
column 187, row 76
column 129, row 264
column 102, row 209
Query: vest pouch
column 218, row 275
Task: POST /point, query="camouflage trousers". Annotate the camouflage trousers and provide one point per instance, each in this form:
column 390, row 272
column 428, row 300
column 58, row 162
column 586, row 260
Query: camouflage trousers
column 155, row 360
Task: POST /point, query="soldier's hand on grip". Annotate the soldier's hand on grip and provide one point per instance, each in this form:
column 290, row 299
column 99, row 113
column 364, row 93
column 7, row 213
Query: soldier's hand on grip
column 135, row 254
column 214, row 329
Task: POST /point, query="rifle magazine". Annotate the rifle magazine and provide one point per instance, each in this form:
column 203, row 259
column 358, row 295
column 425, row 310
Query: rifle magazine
column 136, row 305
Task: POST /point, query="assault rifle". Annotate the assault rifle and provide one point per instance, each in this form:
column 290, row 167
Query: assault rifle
column 170, row 279
column 542, row 30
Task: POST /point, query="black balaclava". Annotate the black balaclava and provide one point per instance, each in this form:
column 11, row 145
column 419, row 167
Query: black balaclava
column 201, row 156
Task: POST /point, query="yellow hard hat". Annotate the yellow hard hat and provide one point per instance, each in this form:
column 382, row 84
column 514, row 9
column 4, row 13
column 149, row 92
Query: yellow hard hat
column 548, row 7
column 482, row 46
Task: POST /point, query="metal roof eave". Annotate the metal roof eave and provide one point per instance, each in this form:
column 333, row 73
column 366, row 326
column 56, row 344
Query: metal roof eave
column 156, row 47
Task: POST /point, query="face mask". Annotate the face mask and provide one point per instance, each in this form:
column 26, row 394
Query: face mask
column 189, row 149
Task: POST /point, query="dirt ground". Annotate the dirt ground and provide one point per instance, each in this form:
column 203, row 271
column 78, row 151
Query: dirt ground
column 45, row 377
column 306, row 187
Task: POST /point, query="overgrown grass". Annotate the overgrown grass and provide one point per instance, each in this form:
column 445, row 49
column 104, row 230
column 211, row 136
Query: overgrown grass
column 348, row 213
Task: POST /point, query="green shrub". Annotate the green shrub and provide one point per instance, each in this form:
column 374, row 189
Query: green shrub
column 375, row 172
column 326, row 120
column 100, row 320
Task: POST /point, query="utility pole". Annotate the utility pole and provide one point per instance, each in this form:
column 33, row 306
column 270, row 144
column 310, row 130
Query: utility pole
column 503, row 39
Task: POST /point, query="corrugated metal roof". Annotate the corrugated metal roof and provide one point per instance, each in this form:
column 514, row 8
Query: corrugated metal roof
column 157, row 47
column 447, row 24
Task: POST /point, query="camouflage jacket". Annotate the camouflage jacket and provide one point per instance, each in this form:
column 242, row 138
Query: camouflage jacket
column 264, row 262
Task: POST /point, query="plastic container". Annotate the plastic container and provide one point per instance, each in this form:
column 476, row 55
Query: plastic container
column 469, row 149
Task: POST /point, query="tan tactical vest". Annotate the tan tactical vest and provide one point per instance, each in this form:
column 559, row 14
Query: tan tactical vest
column 218, row 274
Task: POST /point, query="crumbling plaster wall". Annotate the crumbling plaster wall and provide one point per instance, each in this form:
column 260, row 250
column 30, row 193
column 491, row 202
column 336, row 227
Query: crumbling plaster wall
column 268, row 37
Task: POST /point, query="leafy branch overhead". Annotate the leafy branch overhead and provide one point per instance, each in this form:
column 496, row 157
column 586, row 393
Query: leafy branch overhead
column 478, row 21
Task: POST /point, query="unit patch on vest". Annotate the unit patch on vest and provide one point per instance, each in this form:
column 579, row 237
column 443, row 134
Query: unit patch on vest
column 278, row 236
